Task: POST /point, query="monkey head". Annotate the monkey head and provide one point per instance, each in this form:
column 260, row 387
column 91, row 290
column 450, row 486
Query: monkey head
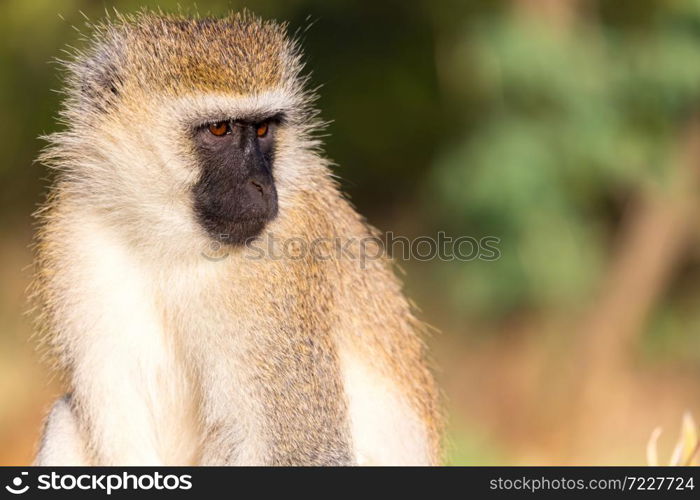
column 171, row 119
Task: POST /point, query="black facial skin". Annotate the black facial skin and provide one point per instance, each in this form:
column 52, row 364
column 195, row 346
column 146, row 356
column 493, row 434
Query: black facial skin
column 235, row 196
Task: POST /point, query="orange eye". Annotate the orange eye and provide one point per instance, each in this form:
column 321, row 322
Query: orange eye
column 262, row 130
column 219, row 128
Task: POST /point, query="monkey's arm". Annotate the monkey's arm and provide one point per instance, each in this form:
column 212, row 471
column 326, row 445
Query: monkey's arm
column 287, row 407
column 393, row 399
column 62, row 443
column 103, row 327
column 272, row 389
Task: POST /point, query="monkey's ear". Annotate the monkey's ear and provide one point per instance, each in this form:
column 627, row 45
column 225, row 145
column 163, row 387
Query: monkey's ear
column 97, row 76
column 101, row 86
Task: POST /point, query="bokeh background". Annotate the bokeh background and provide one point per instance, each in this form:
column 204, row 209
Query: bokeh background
column 569, row 129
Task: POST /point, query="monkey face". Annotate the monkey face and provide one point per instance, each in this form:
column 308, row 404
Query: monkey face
column 235, row 195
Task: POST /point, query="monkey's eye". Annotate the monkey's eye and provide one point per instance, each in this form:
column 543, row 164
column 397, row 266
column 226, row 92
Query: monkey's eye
column 262, row 129
column 220, row 128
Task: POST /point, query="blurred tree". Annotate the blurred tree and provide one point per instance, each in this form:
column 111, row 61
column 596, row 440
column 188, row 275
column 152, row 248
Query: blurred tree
column 572, row 121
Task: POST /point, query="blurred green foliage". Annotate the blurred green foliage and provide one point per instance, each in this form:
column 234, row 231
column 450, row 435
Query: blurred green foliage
column 569, row 121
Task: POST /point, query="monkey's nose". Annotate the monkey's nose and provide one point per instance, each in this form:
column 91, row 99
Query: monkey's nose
column 261, row 194
column 257, row 188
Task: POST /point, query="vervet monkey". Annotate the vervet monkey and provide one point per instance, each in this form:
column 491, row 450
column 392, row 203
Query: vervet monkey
column 178, row 133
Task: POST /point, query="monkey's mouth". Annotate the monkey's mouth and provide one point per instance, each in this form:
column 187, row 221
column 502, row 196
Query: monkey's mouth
column 237, row 216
